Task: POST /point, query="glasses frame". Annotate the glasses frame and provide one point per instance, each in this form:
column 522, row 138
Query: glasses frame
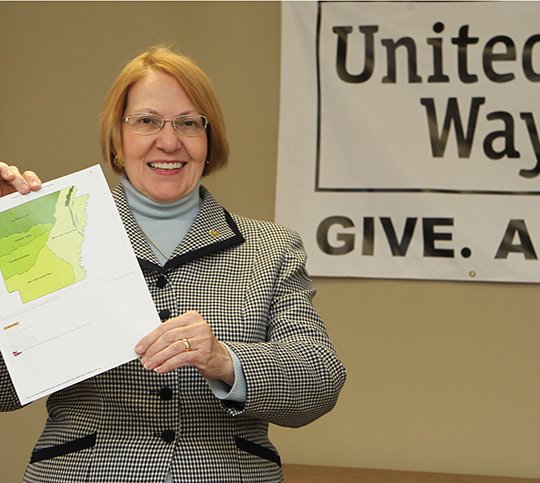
column 165, row 121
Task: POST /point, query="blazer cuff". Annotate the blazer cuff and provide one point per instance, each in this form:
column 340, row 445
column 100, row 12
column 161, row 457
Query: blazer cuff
column 238, row 392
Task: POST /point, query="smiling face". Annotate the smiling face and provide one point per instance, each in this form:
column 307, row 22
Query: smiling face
column 165, row 166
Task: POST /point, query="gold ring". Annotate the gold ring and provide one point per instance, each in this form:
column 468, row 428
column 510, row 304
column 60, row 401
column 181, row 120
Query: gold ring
column 186, row 344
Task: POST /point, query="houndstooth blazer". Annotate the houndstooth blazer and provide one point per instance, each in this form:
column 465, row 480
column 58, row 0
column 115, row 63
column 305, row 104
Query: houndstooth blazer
column 247, row 279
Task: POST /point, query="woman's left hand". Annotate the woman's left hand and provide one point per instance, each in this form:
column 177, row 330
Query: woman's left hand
column 186, row 340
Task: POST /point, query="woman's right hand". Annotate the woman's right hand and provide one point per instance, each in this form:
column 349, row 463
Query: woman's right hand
column 12, row 180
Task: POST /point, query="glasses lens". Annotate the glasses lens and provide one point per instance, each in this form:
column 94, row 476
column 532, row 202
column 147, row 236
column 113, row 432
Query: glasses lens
column 144, row 123
column 190, row 125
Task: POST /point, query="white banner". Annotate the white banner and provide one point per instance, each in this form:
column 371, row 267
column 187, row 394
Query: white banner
column 409, row 141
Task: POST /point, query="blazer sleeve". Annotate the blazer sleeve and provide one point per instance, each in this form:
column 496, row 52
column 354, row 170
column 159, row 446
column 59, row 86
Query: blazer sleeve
column 9, row 400
column 295, row 376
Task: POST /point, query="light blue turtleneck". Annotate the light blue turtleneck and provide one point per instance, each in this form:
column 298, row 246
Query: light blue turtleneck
column 164, row 224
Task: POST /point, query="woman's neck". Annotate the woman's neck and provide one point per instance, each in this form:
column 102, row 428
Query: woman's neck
column 164, row 224
column 145, row 207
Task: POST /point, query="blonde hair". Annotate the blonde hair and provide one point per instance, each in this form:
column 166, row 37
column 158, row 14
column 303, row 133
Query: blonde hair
column 193, row 81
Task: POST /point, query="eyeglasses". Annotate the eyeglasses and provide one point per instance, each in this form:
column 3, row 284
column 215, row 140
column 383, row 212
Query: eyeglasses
column 146, row 123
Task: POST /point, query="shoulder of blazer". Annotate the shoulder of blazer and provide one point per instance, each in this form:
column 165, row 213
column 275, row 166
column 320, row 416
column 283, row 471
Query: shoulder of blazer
column 267, row 233
column 213, row 230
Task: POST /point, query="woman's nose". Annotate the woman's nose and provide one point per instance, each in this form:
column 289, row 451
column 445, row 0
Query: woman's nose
column 168, row 139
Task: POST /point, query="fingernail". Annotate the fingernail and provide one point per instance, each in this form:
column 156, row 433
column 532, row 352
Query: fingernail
column 139, row 349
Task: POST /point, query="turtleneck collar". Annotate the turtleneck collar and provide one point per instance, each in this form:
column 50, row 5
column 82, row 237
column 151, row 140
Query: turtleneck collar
column 146, row 208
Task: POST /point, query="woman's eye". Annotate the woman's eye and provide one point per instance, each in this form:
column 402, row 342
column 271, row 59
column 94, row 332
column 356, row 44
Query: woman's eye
column 146, row 120
column 189, row 122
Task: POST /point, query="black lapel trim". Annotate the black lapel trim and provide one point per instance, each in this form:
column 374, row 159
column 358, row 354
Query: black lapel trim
column 148, row 265
column 175, row 262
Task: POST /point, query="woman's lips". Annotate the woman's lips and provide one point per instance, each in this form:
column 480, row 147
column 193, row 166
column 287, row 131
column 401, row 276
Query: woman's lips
column 166, row 164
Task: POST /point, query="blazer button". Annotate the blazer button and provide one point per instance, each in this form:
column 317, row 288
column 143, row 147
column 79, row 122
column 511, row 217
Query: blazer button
column 161, row 281
column 166, row 393
column 168, row 435
column 164, row 314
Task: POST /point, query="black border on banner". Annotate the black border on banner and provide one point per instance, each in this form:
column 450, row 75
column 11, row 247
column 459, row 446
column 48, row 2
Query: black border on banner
column 320, row 189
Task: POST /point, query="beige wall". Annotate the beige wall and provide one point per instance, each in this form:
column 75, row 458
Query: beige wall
column 442, row 376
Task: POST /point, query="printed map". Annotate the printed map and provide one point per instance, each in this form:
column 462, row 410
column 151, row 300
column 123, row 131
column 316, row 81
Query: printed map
column 41, row 243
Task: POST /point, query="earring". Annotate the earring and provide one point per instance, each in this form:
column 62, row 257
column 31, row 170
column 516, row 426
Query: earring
column 117, row 162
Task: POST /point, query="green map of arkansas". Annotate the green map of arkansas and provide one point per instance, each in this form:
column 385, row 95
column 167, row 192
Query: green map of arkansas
column 41, row 244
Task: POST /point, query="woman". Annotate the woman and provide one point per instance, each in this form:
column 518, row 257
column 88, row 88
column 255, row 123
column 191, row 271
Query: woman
column 240, row 346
